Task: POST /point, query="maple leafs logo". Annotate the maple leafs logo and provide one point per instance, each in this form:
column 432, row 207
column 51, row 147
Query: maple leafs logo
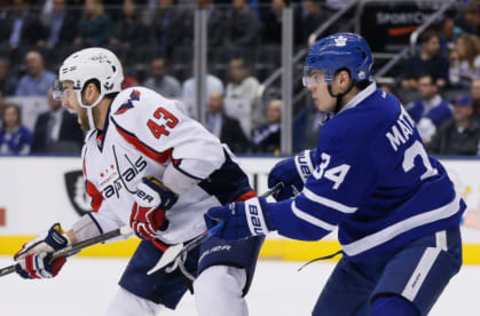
column 340, row 41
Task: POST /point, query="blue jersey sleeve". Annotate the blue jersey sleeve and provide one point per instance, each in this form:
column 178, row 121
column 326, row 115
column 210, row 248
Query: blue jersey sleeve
column 344, row 176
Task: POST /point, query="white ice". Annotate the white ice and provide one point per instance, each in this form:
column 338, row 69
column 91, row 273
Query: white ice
column 85, row 287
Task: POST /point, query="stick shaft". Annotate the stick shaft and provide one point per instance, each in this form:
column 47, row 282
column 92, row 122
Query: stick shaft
column 197, row 241
column 73, row 249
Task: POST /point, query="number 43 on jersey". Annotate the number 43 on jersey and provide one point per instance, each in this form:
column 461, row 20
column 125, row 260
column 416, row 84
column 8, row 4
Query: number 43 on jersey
column 162, row 123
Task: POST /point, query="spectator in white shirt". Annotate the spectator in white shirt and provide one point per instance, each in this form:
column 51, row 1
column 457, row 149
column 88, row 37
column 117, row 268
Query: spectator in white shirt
column 189, row 88
column 241, row 97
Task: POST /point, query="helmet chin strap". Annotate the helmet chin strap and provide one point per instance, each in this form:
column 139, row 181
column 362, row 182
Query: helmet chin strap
column 339, row 97
column 89, row 108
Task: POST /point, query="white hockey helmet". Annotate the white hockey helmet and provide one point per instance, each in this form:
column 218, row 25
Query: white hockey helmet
column 88, row 64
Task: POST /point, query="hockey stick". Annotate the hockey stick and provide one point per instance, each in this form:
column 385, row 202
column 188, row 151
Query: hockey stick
column 75, row 248
column 175, row 252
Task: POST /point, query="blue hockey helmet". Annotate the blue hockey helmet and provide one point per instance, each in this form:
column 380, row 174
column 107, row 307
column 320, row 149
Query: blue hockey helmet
column 340, row 51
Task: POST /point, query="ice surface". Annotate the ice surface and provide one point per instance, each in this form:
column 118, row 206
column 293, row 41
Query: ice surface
column 86, row 286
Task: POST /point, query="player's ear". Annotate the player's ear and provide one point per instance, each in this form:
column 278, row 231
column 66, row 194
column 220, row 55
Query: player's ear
column 343, row 79
column 90, row 93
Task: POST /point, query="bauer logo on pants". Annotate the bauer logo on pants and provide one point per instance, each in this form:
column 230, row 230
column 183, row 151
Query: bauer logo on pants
column 77, row 195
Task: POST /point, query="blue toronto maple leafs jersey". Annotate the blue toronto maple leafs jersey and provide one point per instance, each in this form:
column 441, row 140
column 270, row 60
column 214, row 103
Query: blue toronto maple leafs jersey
column 373, row 180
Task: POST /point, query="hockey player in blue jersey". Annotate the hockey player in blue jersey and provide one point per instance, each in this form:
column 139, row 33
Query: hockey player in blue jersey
column 395, row 208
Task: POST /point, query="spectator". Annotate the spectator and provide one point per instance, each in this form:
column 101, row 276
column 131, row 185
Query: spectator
column 241, row 26
column 430, row 111
column 214, row 85
column 21, row 28
column 8, row 81
column 60, row 24
column 169, row 27
column 475, row 93
column 428, row 60
column 337, row 4
column 2, row 108
column 57, row 130
column 216, row 22
column 130, row 36
column 266, row 138
column 459, row 135
column 95, row 26
column 130, row 80
column 37, row 80
column 241, row 99
column 15, row 139
column 465, row 61
column 167, row 86
column 224, row 127
column 469, row 21
column 272, row 23
column 313, row 17
column 307, row 127
column 449, row 32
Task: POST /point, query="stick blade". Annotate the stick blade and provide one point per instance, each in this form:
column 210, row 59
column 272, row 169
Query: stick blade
column 167, row 258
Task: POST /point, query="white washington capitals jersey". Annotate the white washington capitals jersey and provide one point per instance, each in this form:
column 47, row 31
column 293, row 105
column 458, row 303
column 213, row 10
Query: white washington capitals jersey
column 146, row 134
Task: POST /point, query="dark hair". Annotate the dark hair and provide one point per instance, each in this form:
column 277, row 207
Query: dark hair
column 472, row 8
column 472, row 47
column 16, row 108
column 427, row 35
column 362, row 84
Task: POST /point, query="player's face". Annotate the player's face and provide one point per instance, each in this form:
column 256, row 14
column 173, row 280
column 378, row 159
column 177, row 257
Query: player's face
column 70, row 101
column 318, row 87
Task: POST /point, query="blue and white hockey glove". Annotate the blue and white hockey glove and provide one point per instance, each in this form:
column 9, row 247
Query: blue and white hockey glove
column 293, row 172
column 34, row 259
column 239, row 220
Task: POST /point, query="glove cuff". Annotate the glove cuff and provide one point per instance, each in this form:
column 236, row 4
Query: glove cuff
column 154, row 194
column 304, row 165
column 56, row 239
column 255, row 217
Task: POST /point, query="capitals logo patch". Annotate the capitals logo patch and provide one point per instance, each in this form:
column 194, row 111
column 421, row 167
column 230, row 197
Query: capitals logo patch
column 134, row 96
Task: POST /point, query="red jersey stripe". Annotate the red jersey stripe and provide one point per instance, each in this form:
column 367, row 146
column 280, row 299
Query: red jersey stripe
column 160, row 157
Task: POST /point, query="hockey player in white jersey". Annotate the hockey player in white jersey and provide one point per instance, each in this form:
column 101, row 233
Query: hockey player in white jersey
column 149, row 166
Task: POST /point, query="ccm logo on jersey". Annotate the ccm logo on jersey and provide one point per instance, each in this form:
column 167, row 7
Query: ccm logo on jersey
column 128, row 175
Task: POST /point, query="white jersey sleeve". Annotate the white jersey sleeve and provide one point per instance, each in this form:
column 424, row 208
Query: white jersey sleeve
column 158, row 128
column 98, row 221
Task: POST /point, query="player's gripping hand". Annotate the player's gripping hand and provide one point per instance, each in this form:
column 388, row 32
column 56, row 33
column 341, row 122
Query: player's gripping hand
column 293, row 172
column 148, row 212
column 35, row 257
column 238, row 220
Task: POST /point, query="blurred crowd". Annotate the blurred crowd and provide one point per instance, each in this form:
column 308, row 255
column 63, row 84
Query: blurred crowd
column 439, row 84
column 154, row 39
